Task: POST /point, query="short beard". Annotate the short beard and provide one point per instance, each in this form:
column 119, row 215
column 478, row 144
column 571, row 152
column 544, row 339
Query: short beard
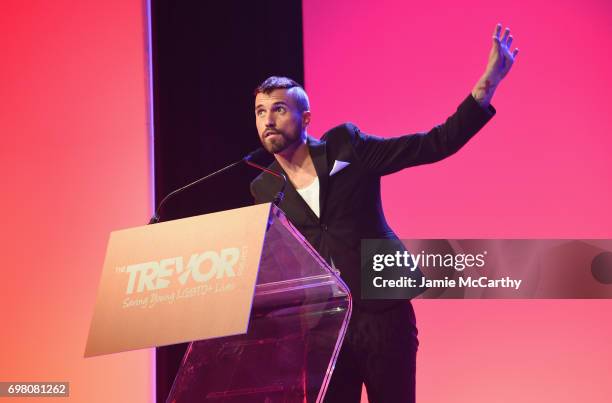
column 275, row 147
column 281, row 144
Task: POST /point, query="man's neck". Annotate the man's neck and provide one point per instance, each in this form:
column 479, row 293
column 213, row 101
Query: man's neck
column 298, row 165
column 295, row 159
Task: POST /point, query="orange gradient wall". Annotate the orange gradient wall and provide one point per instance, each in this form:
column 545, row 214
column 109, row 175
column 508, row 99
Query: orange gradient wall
column 73, row 166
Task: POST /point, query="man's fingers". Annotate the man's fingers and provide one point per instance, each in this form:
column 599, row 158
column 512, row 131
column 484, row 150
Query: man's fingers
column 509, row 41
column 515, row 53
column 497, row 30
column 506, row 34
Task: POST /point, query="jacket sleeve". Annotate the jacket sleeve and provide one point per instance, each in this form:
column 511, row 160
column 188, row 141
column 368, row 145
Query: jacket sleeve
column 383, row 156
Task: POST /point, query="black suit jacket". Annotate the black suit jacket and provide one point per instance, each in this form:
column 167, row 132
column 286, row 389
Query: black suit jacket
column 350, row 200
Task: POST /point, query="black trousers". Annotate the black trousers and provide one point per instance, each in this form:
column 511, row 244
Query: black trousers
column 379, row 350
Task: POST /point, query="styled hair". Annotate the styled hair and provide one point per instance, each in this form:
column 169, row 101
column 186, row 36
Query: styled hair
column 293, row 88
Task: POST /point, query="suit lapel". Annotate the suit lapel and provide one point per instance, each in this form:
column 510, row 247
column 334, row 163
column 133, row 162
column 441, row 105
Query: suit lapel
column 319, row 159
column 293, row 204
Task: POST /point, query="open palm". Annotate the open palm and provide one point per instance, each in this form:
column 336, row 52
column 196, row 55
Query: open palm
column 500, row 57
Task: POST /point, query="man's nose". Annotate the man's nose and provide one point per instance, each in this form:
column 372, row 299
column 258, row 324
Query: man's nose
column 270, row 121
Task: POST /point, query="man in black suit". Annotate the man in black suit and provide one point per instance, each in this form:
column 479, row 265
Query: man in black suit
column 333, row 199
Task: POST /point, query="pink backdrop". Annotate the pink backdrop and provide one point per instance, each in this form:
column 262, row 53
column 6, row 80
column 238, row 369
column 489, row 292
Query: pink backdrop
column 540, row 168
column 74, row 166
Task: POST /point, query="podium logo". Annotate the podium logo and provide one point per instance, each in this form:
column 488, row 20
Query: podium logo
column 201, row 267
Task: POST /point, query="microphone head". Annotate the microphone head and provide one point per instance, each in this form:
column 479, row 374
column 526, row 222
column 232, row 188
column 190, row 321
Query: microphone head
column 258, row 154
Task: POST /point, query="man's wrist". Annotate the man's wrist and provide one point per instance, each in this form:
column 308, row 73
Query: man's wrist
column 484, row 89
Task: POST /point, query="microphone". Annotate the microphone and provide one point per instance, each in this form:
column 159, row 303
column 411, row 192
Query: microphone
column 258, row 153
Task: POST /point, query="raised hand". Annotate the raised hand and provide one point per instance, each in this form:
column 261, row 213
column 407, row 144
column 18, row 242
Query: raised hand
column 500, row 57
column 500, row 62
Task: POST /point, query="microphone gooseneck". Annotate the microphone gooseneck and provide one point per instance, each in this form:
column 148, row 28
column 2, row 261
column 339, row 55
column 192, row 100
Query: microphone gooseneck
column 281, row 193
column 248, row 160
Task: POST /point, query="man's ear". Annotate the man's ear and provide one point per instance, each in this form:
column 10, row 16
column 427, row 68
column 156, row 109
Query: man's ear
column 305, row 119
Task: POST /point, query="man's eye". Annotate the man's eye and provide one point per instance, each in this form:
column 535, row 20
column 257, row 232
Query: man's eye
column 281, row 109
column 260, row 112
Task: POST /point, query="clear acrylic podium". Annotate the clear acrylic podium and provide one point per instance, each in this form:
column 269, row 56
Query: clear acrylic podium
column 299, row 316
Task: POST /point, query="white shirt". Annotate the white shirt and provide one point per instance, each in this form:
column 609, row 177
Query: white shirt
column 310, row 194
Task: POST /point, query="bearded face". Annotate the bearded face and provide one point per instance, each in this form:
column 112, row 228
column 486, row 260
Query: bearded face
column 279, row 122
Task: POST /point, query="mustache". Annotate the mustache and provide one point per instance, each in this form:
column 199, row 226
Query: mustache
column 268, row 132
